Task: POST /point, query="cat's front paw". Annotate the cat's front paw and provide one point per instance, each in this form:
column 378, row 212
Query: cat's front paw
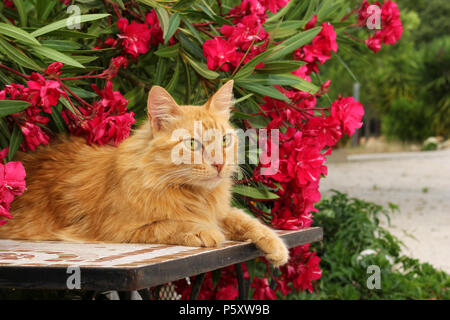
column 276, row 251
column 205, row 238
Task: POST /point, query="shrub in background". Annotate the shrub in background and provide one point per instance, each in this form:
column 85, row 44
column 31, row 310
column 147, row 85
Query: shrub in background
column 353, row 241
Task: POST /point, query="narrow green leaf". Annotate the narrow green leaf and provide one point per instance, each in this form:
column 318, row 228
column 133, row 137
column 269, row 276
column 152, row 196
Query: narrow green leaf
column 17, row 56
column 63, row 45
column 22, row 12
column 4, row 129
column 18, row 34
column 202, row 69
column 174, row 23
column 302, row 84
column 55, row 55
column 12, row 106
column 168, row 52
column 68, row 22
column 150, row 3
column 163, row 18
column 194, row 31
column 253, row 192
column 291, row 44
column 282, row 66
column 243, row 98
column 57, row 119
column 15, row 142
column 262, row 90
column 174, row 81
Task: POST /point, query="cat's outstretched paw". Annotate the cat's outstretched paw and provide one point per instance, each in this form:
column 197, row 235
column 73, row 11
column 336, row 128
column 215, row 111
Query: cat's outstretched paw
column 275, row 249
column 205, row 238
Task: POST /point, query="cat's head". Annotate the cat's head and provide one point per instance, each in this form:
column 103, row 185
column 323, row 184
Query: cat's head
column 193, row 145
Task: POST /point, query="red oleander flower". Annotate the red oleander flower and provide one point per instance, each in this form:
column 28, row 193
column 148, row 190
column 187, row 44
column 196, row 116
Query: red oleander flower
column 135, row 37
column 12, row 183
column 33, row 136
column 262, row 290
column 219, row 53
column 320, row 49
column 106, row 122
column 391, row 25
column 47, row 92
column 349, row 112
column 249, row 30
column 274, row 5
column 54, row 68
column 155, row 28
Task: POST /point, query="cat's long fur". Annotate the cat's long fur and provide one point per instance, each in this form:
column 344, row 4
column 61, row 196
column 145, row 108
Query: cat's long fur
column 134, row 193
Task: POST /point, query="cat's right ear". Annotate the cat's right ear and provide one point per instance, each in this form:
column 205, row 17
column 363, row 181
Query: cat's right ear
column 162, row 108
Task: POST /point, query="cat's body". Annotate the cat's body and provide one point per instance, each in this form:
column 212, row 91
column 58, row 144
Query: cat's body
column 134, row 193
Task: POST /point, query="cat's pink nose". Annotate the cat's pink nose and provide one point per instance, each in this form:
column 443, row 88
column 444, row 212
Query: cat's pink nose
column 218, row 166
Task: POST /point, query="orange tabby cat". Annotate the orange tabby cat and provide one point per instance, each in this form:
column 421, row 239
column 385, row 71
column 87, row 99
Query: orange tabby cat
column 135, row 193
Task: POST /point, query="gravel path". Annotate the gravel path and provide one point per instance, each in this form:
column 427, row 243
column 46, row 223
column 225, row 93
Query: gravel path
column 418, row 182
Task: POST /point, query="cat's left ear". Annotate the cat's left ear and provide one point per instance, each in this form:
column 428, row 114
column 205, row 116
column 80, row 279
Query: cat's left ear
column 222, row 100
column 162, row 108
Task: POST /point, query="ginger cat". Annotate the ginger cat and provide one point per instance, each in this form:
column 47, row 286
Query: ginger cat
column 134, row 193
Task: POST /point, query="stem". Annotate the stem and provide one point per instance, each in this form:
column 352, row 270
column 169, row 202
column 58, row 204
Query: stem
column 15, row 72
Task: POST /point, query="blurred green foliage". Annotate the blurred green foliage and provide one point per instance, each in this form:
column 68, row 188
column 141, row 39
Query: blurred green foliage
column 352, row 226
column 416, row 69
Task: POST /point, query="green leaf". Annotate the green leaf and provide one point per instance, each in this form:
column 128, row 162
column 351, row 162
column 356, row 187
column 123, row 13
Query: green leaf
column 181, row 4
column 150, row 3
column 68, row 22
column 191, row 47
column 254, row 193
column 15, row 142
column 171, row 86
column 18, row 34
column 12, row 106
column 262, row 90
column 302, row 84
column 174, row 23
column 282, row 66
column 54, row 55
column 291, row 44
column 44, row 7
column 17, row 56
column 168, row 52
column 57, row 119
column 63, row 45
column 163, row 18
column 249, row 67
column 22, row 12
column 82, row 93
column 192, row 29
column 202, row 69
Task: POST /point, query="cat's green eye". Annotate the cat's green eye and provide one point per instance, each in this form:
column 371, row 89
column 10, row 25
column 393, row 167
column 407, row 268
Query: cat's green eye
column 193, row 144
column 226, row 140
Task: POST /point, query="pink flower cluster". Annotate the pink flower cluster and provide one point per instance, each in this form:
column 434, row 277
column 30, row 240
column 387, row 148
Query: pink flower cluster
column 106, row 121
column 224, row 289
column 302, row 150
column 12, row 183
column 320, row 48
column 391, row 25
column 136, row 38
column 43, row 94
column 242, row 40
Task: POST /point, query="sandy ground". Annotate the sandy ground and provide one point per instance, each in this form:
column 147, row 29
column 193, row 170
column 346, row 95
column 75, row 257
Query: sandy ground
column 418, row 182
